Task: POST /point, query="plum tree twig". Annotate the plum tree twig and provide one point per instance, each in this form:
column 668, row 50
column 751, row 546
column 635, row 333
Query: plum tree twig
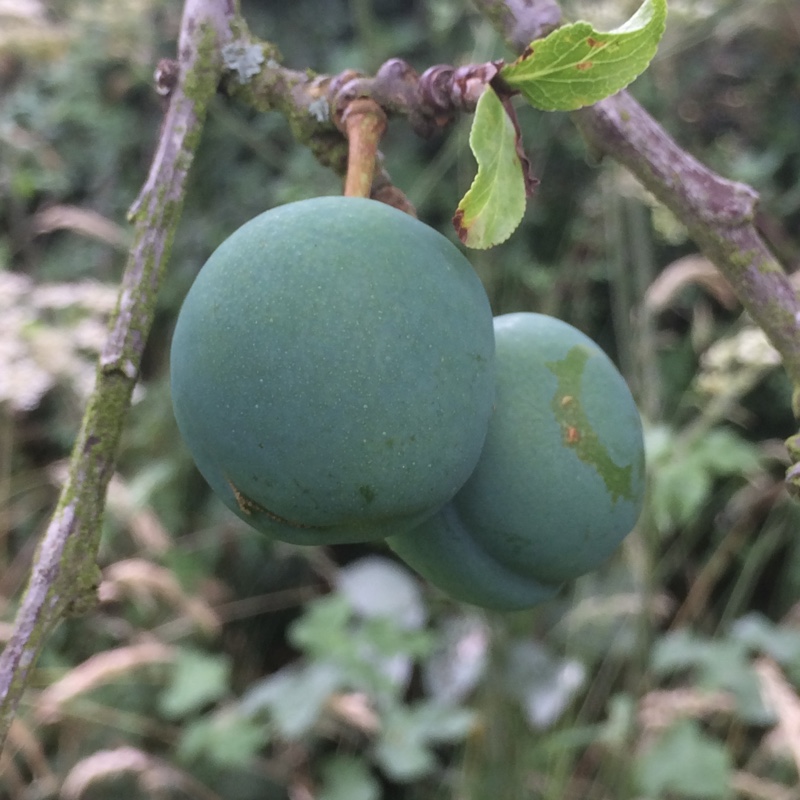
column 64, row 574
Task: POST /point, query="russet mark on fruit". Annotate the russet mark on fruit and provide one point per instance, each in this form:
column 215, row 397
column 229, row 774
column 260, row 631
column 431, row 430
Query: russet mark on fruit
column 578, row 432
column 333, row 371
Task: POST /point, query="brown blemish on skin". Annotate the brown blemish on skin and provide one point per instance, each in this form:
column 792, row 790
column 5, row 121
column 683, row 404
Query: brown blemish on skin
column 249, row 506
column 571, row 434
column 584, row 65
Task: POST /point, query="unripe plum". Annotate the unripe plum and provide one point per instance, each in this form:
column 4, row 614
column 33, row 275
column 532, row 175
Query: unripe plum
column 332, row 371
column 560, row 481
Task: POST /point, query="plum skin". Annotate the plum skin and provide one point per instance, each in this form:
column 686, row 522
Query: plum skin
column 332, row 371
column 560, row 481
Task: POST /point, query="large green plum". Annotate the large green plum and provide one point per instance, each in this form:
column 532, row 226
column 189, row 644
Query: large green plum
column 332, row 371
column 560, row 481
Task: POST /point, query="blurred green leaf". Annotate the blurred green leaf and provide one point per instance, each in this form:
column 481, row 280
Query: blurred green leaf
column 374, row 653
column 197, row 680
column 576, row 65
column 225, row 738
column 680, row 489
column 403, row 749
column 348, row 778
column 758, row 633
column 686, row 763
column 683, row 476
column 293, row 698
column 723, row 452
column 322, row 631
column 721, row 664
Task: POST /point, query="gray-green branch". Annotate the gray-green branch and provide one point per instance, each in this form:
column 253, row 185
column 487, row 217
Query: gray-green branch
column 65, row 573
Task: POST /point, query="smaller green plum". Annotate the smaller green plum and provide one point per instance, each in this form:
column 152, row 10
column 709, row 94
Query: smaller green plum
column 560, row 481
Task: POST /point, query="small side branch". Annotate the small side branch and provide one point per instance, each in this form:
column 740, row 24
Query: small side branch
column 65, row 574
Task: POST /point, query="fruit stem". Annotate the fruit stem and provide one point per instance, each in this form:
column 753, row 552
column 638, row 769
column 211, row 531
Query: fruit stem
column 363, row 121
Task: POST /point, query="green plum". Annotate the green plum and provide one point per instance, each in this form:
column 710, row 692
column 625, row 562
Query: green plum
column 560, row 481
column 332, row 371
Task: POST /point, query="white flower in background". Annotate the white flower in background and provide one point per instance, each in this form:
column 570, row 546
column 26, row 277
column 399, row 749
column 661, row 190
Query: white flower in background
column 49, row 334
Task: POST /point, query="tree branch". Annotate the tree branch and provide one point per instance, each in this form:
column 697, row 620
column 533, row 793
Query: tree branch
column 521, row 21
column 719, row 215
column 65, row 574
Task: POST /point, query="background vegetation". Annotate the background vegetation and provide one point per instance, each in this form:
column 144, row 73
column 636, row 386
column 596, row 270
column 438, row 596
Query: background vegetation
column 220, row 665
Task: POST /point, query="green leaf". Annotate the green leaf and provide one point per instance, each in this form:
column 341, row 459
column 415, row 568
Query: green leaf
column 293, row 698
column 404, row 748
column 576, row 65
column 348, row 778
column 198, row 679
column 686, row 763
column 760, row 634
column 725, row 453
column 493, row 207
column 720, row 664
column 226, row 738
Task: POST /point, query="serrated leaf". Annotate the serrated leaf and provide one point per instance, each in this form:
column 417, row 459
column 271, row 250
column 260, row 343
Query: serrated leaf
column 576, row 65
column 493, row 207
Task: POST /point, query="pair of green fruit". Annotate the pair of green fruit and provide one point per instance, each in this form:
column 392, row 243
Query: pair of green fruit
column 338, row 377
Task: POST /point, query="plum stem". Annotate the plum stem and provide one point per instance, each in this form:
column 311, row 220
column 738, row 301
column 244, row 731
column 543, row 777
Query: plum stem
column 363, row 121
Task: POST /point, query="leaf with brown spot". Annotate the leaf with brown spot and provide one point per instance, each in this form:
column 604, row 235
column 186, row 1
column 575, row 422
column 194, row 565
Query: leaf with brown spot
column 576, row 65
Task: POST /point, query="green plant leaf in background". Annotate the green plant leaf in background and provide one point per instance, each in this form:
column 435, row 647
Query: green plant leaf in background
column 685, row 763
column 225, row 738
column 718, row 665
column 404, row 748
column 493, row 207
column 348, row 778
column 576, row 65
column 198, row 679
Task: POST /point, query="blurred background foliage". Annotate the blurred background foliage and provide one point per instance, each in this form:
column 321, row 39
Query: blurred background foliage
column 221, row 665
